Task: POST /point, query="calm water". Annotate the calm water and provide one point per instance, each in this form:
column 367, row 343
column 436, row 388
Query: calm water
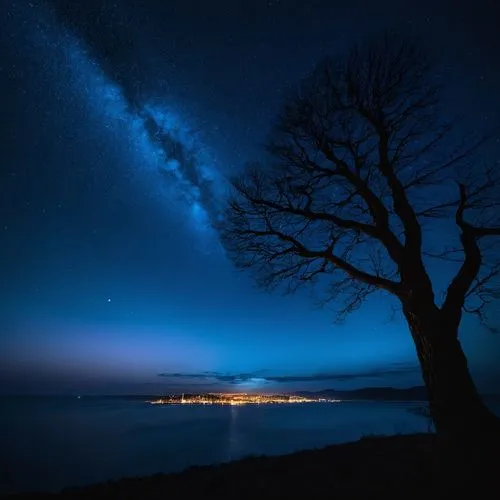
column 51, row 443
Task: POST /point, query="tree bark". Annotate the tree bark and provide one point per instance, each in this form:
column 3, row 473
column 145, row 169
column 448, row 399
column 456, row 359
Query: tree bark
column 455, row 405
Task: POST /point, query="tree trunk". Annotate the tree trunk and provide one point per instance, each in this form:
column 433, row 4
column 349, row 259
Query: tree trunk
column 455, row 405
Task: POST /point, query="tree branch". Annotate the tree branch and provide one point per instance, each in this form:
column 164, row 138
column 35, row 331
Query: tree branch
column 375, row 205
column 327, row 254
column 479, row 232
column 468, row 272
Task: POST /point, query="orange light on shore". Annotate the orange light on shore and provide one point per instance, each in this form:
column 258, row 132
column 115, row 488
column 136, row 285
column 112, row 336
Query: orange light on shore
column 239, row 399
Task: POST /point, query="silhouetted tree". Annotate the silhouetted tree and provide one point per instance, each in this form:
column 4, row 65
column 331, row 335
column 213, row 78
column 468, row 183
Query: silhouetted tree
column 360, row 161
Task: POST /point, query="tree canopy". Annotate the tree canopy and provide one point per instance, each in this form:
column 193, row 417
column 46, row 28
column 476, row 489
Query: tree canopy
column 361, row 163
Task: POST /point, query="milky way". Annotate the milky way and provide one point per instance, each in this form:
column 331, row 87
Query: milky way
column 175, row 165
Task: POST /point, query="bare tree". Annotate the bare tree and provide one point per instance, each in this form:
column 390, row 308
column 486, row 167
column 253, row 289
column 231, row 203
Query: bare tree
column 361, row 167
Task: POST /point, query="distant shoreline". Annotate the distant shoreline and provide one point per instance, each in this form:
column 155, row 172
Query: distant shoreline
column 371, row 394
column 366, row 393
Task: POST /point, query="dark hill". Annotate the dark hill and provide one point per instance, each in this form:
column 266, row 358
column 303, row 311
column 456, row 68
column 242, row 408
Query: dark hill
column 417, row 393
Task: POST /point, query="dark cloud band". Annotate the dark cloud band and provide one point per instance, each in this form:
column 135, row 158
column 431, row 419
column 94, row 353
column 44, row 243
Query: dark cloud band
column 264, row 376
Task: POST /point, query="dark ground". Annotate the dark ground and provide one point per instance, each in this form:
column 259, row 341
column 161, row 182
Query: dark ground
column 401, row 467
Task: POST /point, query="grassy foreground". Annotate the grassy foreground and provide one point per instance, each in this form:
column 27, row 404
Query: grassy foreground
column 399, row 467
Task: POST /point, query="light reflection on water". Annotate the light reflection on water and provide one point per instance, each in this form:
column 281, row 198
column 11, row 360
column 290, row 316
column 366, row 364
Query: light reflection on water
column 51, row 443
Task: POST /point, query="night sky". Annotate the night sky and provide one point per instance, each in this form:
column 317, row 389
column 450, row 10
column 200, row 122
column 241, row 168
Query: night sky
column 112, row 279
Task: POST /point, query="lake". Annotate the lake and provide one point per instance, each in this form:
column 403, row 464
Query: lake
column 55, row 442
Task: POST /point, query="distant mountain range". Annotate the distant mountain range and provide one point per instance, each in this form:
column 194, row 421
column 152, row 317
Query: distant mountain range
column 418, row 393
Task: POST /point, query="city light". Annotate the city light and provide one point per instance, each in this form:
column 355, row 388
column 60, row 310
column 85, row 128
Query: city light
column 238, row 399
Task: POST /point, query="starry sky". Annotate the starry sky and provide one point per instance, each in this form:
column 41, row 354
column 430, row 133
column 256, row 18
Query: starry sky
column 112, row 278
